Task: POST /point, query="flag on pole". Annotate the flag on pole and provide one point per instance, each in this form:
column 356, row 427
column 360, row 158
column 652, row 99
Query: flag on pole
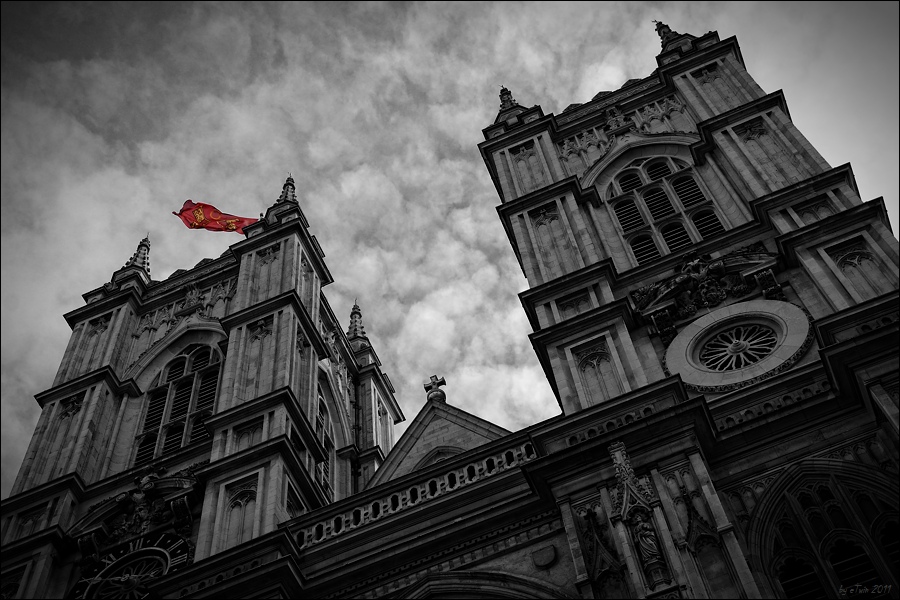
column 198, row 215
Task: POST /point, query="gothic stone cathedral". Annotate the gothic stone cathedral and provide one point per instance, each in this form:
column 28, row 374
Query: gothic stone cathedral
column 714, row 306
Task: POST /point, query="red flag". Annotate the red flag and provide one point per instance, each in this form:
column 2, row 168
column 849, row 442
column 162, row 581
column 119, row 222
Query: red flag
column 198, row 215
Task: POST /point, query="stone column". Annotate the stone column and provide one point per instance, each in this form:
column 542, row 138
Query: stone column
column 724, row 527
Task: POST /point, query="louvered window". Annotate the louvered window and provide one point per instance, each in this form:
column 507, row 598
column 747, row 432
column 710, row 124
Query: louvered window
column 325, row 433
column 707, row 224
column 658, row 203
column 628, row 215
column 658, row 171
column 675, row 236
column 629, row 181
column 176, row 370
column 176, row 410
column 688, row 192
column 644, row 249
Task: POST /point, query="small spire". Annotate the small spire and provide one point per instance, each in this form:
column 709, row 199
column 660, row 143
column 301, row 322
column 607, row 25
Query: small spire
column 357, row 329
column 141, row 257
column 433, row 389
column 506, row 99
column 664, row 32
column 288, row 190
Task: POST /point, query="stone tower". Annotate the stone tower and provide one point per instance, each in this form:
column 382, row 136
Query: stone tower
column 714, row 306
column 235, row 373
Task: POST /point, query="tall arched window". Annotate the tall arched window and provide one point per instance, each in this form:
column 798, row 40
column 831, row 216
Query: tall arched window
column 178, row 405
column 325, row 433
column 825, row 531
column 644, row 249
column 707, row 224
column 675, row 236
column 647, row 188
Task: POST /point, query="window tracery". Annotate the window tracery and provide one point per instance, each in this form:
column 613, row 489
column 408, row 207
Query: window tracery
column 661, row 196
column 177, row 407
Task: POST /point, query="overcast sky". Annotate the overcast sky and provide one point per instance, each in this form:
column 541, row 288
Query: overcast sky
column 114, row 114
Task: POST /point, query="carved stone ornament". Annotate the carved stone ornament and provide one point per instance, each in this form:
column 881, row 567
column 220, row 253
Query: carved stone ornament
column 260, row 329
column 751, row 131
column 600, row 556
column 99, row 325
column 71, row 406
column 702, row 282
column 630, row 491
column 267, row 255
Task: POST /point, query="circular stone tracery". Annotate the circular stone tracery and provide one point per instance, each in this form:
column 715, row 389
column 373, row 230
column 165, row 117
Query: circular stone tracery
column 739, row 344
column 738, row 347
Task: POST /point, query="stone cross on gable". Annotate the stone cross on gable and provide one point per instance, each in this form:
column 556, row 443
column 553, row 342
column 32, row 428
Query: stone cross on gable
column 433, row 389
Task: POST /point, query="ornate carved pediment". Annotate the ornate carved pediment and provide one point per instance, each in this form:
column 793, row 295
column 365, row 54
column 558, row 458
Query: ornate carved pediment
column 701, row 282
column 156, row 500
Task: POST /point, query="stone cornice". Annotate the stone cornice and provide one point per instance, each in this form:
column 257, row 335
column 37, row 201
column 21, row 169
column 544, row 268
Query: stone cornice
column 821, row 182
column 128, row 296
column 105, row 374
column 71, row 482
column 820, row 231
column 280, row 397
column 709, row 127
column 699, row 57
column 266, row 307
column 270, row 235
column 276, row 446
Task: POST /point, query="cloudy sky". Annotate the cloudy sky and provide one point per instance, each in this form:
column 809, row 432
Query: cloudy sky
column 114, row 114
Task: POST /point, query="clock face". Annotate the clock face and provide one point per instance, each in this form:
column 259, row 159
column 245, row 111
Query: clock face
column 127, row 570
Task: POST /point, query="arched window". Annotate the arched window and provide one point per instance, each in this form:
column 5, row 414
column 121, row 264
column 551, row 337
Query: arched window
column 176, row 409
column 707, row 224
column 825, row 531
column 628, row 215
column 325, row 433
column 799, row 580
column 675, row 236
column 658, row 203
column 673, row 178
column 658, row 170
column 629, row 181
column 644, row 249
column 687, row 191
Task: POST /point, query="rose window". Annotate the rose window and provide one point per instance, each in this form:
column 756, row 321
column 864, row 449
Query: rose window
column 738, row 347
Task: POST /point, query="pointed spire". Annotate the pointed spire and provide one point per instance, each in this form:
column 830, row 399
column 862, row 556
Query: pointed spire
column 288, row 191
column 506, row 99
column 356, row 329
column 141, row 257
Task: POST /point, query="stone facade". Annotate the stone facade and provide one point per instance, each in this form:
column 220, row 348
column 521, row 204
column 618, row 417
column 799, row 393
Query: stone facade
column 714, row 306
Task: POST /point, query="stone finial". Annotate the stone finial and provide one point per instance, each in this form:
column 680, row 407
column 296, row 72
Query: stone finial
column 506, row 99
column 664, row 32
column 141, row 257
column 433, row 388
column 356, row 329
column 288, row 191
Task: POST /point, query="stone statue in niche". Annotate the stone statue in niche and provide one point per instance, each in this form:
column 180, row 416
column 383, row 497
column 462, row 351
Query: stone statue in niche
column 645, row 536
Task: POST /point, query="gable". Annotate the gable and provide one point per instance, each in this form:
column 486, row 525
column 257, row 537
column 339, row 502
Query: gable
column 438, row 432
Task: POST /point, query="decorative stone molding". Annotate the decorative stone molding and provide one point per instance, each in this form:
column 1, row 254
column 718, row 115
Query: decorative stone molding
column 471, row 551
column 440, row 485
column 614, row 98
column 71, row 406
column 751, row 131
column 771, row 405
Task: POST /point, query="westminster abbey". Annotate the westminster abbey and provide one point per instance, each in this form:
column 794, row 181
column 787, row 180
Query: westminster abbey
column 714, row 306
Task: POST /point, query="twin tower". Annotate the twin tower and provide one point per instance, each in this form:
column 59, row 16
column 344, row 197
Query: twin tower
column 715, row 309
